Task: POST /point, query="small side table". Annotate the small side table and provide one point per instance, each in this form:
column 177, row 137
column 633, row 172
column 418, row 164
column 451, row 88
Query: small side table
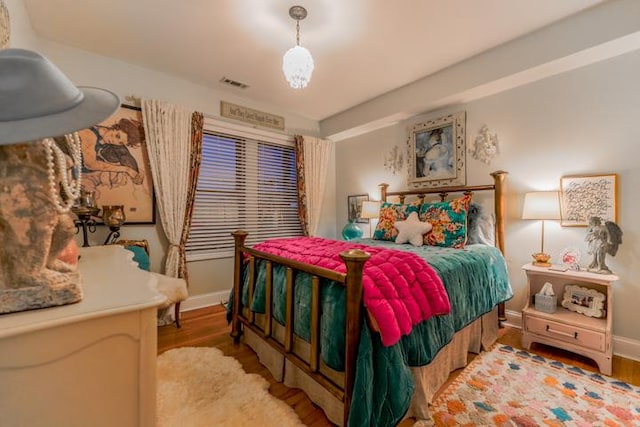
column 566, row 329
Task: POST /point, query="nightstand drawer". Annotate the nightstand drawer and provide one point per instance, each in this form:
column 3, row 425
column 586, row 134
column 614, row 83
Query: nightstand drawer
column 567, row 333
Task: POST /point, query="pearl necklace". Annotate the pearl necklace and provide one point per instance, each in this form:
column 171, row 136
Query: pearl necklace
column 70, row 187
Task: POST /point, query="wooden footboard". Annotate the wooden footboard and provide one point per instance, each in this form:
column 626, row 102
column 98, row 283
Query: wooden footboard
column 352, row 281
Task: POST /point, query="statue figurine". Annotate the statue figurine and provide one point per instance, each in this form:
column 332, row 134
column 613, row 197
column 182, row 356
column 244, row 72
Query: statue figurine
column 603, row 238
column 40, row 178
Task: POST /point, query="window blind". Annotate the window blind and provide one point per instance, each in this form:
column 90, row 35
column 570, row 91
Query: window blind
column 244, row 183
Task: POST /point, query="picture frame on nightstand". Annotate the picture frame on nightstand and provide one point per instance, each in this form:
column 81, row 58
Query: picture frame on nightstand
column 585, row 301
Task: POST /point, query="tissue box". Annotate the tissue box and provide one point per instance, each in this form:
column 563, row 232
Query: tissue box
column 546, row 303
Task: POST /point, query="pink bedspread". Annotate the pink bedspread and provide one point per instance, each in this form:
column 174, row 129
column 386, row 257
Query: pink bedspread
column 400, row 288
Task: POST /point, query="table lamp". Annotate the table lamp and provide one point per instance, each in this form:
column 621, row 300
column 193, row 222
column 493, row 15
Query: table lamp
column 542, row 205
column 370, row 211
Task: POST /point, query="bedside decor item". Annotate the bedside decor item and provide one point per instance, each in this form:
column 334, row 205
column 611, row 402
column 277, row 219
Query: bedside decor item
column 583, row 197
column 603, row 239
column 38, row 185
column 542, row 205
column 113, row 217
column 351, row 231
column 546, row 300
column 412, row 230
column 571, row 258
column 436, row 152
column 485, row 146
column 297, row 63
column 370, row 211
column 583, row 300
column 354, row 206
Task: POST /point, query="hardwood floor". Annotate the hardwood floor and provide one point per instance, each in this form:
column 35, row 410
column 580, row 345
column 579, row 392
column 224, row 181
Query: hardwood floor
column 207, row 327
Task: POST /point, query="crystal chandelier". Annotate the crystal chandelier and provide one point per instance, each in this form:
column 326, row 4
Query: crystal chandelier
column 297, row 62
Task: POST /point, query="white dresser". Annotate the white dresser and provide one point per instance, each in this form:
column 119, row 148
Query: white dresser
column 92, row 363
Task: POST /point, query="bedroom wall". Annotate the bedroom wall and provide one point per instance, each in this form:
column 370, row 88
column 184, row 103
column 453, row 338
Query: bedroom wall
column 209, row 280
column 579, row 122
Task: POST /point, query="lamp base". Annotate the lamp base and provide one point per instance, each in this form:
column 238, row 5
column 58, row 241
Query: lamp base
column 541, row 259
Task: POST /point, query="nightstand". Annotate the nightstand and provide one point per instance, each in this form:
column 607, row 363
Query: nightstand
column 567, row 329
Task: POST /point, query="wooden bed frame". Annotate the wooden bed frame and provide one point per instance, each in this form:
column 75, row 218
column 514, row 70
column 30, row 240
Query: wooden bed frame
column 351, row 280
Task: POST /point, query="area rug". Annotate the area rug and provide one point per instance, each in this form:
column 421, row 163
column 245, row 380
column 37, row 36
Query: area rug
column 510, row 387
column 199, row 386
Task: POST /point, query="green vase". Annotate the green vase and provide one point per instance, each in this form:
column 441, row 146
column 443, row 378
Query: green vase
column 351, row 231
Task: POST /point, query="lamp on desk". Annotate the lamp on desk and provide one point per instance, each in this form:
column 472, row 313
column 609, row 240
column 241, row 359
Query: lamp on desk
column 370, row 211
column 542, row 205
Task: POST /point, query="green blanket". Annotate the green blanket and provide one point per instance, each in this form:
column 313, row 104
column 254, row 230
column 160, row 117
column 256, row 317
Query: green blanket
column 476, row 280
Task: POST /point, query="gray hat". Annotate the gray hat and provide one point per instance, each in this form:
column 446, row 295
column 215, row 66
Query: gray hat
column 37, row 100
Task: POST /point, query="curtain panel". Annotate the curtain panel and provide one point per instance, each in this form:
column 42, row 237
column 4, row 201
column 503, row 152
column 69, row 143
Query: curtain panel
column 169, row 141
column 313, row 155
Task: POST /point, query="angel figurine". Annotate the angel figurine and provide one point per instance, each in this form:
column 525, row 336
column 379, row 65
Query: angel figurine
column 603, row 239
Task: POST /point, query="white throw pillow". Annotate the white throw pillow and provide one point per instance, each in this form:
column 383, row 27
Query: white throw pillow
column 411, row 230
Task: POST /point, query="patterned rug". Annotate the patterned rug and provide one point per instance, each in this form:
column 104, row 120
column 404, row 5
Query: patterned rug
column 510, row 387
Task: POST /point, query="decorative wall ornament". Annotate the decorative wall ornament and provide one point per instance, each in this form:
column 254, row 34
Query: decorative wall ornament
column 393, row 160
column 485, row 146
column 437, row 152
column 5, row 26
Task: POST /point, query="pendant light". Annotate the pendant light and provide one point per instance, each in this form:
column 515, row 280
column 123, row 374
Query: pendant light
column 297, row 63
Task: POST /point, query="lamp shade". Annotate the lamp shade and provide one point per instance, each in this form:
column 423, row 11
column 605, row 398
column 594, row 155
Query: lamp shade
column 370, row 209
column 541, row 205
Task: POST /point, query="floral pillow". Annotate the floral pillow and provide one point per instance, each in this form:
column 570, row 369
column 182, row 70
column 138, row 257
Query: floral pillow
column 449, row 222
column 389, row 214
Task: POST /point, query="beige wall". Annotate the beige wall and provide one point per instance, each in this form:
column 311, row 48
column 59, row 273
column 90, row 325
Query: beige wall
column 579, row 122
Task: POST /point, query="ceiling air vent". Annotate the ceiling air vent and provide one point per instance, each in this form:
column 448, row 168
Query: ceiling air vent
column 234, row 83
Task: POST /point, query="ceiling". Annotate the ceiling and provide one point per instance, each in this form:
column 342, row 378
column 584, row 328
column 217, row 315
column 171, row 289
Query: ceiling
column 362, row 48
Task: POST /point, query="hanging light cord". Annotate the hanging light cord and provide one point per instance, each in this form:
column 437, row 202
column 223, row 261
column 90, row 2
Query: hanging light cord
column 297, row 32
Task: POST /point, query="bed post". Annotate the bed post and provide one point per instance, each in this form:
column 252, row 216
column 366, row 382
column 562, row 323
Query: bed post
column 239, row 237
column 499, row 209
column 354, row 260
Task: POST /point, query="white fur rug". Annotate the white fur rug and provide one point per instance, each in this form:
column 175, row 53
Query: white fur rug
column 199, row 386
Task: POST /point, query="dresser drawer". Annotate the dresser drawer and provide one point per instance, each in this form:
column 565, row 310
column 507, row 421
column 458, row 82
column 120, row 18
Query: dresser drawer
column 567, row 333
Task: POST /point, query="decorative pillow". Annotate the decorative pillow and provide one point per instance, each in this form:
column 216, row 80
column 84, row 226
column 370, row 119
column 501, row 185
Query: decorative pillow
column 480, row 226
column 140, row 256
column 412, row 229
column 449, row 221
column 389, row 214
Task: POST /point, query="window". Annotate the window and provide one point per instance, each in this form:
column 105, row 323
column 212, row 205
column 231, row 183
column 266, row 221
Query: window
column 247, row 181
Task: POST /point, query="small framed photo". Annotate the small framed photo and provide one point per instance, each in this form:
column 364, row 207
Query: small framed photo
column 583, row 197
column 436, row 152
column 354, row 206
column 582, row 300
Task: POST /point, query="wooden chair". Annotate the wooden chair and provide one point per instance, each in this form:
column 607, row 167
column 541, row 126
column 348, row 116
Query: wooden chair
column 173, row 288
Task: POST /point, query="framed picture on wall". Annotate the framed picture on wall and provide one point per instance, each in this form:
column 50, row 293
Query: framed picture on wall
column 436, row 152
column 354, row 206
column 585, row 196
column 115, row 165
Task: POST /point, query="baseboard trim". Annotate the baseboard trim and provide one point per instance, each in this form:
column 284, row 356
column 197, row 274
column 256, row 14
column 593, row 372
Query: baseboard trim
column 623, row 347
column 204, row 300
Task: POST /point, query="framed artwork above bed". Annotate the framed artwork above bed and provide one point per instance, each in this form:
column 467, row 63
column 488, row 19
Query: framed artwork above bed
column 436, row 152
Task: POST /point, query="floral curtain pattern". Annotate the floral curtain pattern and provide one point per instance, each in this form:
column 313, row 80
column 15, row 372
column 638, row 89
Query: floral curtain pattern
column 197, row 123
column 302, row 195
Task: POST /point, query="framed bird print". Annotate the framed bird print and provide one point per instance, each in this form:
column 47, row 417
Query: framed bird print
column 586, row 196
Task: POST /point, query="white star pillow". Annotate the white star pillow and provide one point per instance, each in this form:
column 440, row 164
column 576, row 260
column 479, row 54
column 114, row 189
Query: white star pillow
column 411, row 230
